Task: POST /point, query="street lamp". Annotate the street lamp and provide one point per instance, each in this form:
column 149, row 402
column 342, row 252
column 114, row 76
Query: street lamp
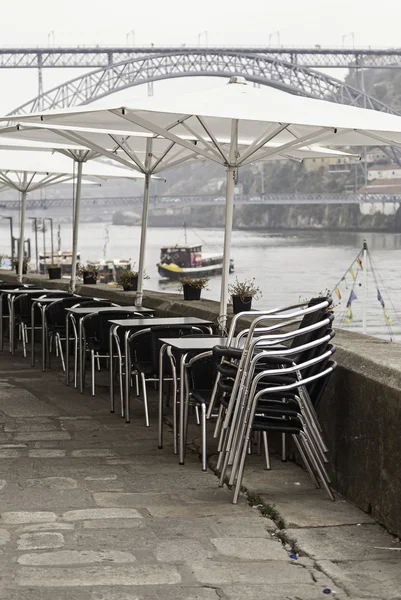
column 35, row 224
column 11, row 236
column 129, row 34
column 351, row 35
column 271, row 35
column 51, row 236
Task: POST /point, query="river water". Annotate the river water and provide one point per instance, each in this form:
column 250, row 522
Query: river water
column 287, row 266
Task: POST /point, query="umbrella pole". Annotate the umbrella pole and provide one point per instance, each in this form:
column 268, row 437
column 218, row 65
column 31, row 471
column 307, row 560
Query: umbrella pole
column 144, row 227
column 75, row 228
column 22, row 232
column 227, row 246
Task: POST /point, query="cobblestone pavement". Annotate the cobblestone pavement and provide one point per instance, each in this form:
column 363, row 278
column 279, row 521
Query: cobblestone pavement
column 92, row 510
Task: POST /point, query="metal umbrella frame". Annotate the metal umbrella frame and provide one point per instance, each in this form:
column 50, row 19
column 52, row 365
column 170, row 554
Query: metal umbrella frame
column 27, row 171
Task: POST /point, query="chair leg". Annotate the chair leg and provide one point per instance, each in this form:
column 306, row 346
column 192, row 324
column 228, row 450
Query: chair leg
column 266, row 449
column 60, row 349
column 23, row 335
column 137, row 384
column 145, row 399
column 197, row 415
column 93, row 371
column 76, row 363
column 204, row 437
column 283, row 448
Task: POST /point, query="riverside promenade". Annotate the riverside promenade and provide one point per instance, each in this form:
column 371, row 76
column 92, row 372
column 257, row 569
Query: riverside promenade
column 92, row 510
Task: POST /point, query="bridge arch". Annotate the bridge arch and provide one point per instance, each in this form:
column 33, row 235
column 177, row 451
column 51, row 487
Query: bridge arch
column 257, row 68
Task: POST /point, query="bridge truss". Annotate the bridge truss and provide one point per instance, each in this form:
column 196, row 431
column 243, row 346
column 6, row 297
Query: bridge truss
column 165, row 202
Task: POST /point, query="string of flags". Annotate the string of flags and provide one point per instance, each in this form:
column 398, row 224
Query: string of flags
column 380, row 299
column 352, row 273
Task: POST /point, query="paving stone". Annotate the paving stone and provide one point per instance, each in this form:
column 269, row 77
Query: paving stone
column 47, row 453
column 46, row 527
column 99, row 575
column 197, row 510
column 46, row 498
column 277, row 591
column 130, row 539
column 101, row 513
column 40, row 541
column 215, row 572
column 349, row 542
column 108, row 499
column 20, row 427
column 42, row 435
column 57, row 483
column 182, row 551
column 18, row 518
column 315, row 509
column 250, row 549
column 92, row 452
column 170, row 528
column 10, row 453
column 245, row 527
column 113, row 524
column 5, row 537
column 188, row 593
column 3, row 446
column 3, row 483
column 17, row 402
column 75, row 557
column 366, row 579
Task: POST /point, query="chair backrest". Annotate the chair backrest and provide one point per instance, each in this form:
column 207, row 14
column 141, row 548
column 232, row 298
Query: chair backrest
column 96, row 303
column 97, row 326
column 23, row 305
column 56, row 314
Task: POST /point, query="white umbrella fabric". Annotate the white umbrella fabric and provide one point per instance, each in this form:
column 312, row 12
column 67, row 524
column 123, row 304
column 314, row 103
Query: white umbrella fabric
column 151, row 154
column 27, row 171
column 239, row 113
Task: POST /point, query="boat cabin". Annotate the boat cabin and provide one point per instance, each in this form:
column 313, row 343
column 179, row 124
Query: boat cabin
column 182, row 255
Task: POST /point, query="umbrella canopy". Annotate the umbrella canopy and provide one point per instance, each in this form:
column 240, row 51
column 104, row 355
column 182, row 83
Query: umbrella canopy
column 28, row 170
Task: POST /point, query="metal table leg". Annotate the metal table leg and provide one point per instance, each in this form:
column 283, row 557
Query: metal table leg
column 161, row 354
column 33, row 334
column 44, row 340
column 1, row 323
column 67, row 348
column 111, row 369
column 81, row 352
column 127, row 376
column 181, row 449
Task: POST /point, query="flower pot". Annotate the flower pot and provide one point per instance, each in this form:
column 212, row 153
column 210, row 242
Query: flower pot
column 89, row 277
column 241, row 303
column 191, row 292
column 54, row 272
column 132, row 286
column 24, row 268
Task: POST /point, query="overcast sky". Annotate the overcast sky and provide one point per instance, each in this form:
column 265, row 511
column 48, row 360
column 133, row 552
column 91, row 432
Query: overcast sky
column 87, row 22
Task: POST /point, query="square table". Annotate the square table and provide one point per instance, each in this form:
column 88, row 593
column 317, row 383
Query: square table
column 134, row 324
column 83, row 311
column 185, row 345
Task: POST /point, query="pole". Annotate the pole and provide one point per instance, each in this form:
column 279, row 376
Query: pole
column 58, row 238
column 44, row 245
column 75, row 228
column 51, row 238
column 227, row 245
column 35, row 224
column 144, row 226
column 22, row 230
column 365, row 286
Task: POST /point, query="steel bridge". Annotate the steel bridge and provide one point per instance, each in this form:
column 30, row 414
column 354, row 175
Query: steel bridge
column 118, row 68
column 101, row 56
column 191, row 200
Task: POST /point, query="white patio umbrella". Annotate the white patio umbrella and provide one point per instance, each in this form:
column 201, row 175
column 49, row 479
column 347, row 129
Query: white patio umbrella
column 26, row 171
column 149, row 153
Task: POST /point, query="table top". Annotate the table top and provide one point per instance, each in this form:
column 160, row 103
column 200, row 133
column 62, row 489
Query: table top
column 48, row 300
column 88, row 310
column 191, row 342
column 161, row 322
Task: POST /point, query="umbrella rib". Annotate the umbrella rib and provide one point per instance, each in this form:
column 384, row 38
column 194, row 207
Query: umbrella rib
column 175, row 163
column 212, row 136
column 9, row 182
column 380, row 138
column 163, row 156
column 262, row 140
column 152, row 127
column 204, row 142
column 294, row 143
column 130, row 153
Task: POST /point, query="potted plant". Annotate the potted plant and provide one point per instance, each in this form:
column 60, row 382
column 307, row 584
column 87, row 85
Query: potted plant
column 128, row 279
column 25, row 264
column 88, row 273
column 54, row 271
column 242, row 293
column 193, row 286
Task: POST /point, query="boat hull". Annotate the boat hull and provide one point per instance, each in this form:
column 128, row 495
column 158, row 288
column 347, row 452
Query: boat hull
column 175, row 272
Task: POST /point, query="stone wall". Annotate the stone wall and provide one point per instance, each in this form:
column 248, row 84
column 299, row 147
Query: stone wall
column 360, row 411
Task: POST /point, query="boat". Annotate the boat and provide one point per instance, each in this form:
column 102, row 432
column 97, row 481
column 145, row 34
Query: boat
column 61, row 258
column 184, row 260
